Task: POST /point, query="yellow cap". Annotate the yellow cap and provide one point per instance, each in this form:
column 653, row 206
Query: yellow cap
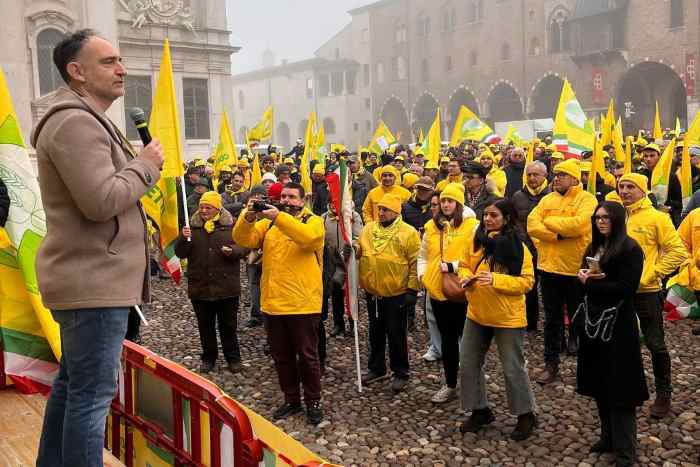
column 639, row 180
column 225, row 168
column 243, row 163
column 319, row 169
column 212, row 198
column 585, row 166
column 288, row 160
column 557, row 155
column 431, row 165
column 409, row 180
column 200, row 163
column 569, row 167
column 551, row 147
column 390, row 202
column 444, row 159
column 454, row 191
column 652, row 147
column 399, row 158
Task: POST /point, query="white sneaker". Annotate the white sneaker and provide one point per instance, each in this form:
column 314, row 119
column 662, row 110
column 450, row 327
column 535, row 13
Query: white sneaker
column 431, row 355
column 444, row 394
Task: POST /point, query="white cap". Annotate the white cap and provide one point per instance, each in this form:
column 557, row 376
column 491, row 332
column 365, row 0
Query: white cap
column 269, row 176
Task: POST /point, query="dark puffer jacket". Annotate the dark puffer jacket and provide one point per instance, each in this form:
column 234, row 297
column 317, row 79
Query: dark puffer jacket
column 211, row 274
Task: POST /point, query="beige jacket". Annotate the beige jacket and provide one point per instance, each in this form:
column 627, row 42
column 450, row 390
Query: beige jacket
column 95, row 253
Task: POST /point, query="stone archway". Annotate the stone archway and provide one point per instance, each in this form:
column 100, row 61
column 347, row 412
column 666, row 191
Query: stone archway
column 645, row 84
column 395, row 116
column 545, row 97
column 505, row 104
column 424, row 113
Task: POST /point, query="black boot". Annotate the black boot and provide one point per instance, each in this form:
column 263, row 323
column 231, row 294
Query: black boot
column 524, row 428
column 477, row 420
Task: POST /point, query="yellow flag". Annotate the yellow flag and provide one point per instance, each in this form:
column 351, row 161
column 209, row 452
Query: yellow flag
column 597, row 166
column 617, row 141
column 226, row 153
column 677, row 131
column 606, row 125
column 338, row 148
column 469, row 127
column 319, row 145
column 528, row 159
column 686, row 178
column 263, row 130
column 432, row 144
column 256, row 173
column 658, row 132
column 309, row 141
column 421, row 137
column 164, row 123
column 661, row 174
column 628, row 154
column 512, row 136
column 382, row 139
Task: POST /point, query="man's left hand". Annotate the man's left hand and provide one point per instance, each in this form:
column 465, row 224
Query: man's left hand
column 270, row 213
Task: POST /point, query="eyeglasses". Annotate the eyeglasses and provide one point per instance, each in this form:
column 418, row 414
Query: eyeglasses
column 560, row 174
column 602, row 218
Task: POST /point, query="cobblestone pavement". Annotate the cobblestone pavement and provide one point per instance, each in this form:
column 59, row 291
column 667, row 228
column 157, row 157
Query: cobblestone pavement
column 377, row 428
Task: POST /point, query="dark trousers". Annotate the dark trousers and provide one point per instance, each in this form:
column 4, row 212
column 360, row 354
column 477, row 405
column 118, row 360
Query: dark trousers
column 294, row 349
column 322, row 353
column 558, row 291
column 133, row 327
column 450, row 319
column 388, row 319
column 224, row 313
column 337, row 297
column 649, row 307
column 618, row 428
column 532, row 305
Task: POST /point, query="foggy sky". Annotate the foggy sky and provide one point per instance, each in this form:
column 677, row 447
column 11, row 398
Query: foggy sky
column 293, row 29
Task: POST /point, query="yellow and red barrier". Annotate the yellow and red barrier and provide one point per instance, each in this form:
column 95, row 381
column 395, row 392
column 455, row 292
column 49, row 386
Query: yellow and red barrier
column 165, row 415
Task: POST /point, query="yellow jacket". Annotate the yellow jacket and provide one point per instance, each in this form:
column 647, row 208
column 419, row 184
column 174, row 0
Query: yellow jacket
column 291, row 262
column 663, row 248
column 390, row 271
column 498, row 178
column 689, row 231
column 370, row 209
column 450, row 179
column 561, row 224
column 429, row 257
column 502, row 304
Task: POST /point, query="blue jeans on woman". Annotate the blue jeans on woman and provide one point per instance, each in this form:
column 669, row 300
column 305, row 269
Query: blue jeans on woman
column 74, row 421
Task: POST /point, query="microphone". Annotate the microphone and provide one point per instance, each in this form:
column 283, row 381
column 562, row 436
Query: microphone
column 139, row 118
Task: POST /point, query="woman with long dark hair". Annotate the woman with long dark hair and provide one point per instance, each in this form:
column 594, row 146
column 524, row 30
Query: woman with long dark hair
column 609, row 360
column 441, row 249
column 496, row 272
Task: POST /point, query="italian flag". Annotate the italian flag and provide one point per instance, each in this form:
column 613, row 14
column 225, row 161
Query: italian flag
column 680, row 300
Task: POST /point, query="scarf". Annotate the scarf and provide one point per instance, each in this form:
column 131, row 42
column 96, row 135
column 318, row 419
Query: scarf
column 210, row 225
column 381, row 236
column 472, row 200
column 537, row 190
column 502, row 250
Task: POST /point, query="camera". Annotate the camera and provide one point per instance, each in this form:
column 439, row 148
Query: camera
column 260, row 206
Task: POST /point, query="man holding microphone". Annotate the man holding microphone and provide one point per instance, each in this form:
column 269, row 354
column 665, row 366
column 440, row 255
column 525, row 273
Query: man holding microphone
column 92, row 266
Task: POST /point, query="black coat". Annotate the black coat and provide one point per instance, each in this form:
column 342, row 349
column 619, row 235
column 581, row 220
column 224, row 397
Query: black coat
column 211, row 275
column 524, row 202
column 514, row 178
column 612, row 371
column 320, row 197
column 416, row 214
column 4, row 204
column 235, row 202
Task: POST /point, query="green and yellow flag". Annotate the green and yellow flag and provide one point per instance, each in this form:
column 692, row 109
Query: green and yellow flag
column 263, row 130
column 31, row 344
column 573, row 134
column 320, row 151
column 226, row 153
column 432, row 144
column 160, row 203
column 662, row 173
column 512, row 136
column 382, row 139
column 469, row 127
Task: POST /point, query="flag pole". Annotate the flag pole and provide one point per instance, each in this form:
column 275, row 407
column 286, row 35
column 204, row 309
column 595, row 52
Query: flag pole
column 355, row 314
column 357, row 357
column 184, row 205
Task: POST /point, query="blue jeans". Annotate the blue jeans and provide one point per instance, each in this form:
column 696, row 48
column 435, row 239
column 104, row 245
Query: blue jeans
column 74, row 421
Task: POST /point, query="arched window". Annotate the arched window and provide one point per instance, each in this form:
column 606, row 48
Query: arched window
column 329, row 126
column 505, row 52
column 380, row 72
column 241, row 100
column 535, row 48
column 559, row 32
column 49, row 76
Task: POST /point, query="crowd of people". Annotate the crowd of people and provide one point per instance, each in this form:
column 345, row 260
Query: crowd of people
column 483, row 238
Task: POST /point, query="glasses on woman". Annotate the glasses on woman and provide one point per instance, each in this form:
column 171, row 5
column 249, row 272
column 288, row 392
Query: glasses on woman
column 602, row 218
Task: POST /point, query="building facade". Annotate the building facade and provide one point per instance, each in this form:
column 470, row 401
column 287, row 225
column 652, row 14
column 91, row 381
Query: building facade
column 506, row 60
column 200, row 48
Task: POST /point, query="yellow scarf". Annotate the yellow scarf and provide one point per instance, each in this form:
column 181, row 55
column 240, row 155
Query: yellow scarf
column 382, row 235
column 210, row 225
column 537, row 190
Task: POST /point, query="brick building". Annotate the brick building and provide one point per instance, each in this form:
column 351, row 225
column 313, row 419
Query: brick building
column 505, row 59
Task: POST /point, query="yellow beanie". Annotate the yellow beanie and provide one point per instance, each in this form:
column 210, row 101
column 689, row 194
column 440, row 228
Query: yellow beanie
column 390, row 202
column 454, row 191
column 225, row 168
column 569, row 167
column 389, row 169
column 585, row 166
column 212, row 198
column 243, row 163
column 409, row 179
column 557, row 155
column 639, row 180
